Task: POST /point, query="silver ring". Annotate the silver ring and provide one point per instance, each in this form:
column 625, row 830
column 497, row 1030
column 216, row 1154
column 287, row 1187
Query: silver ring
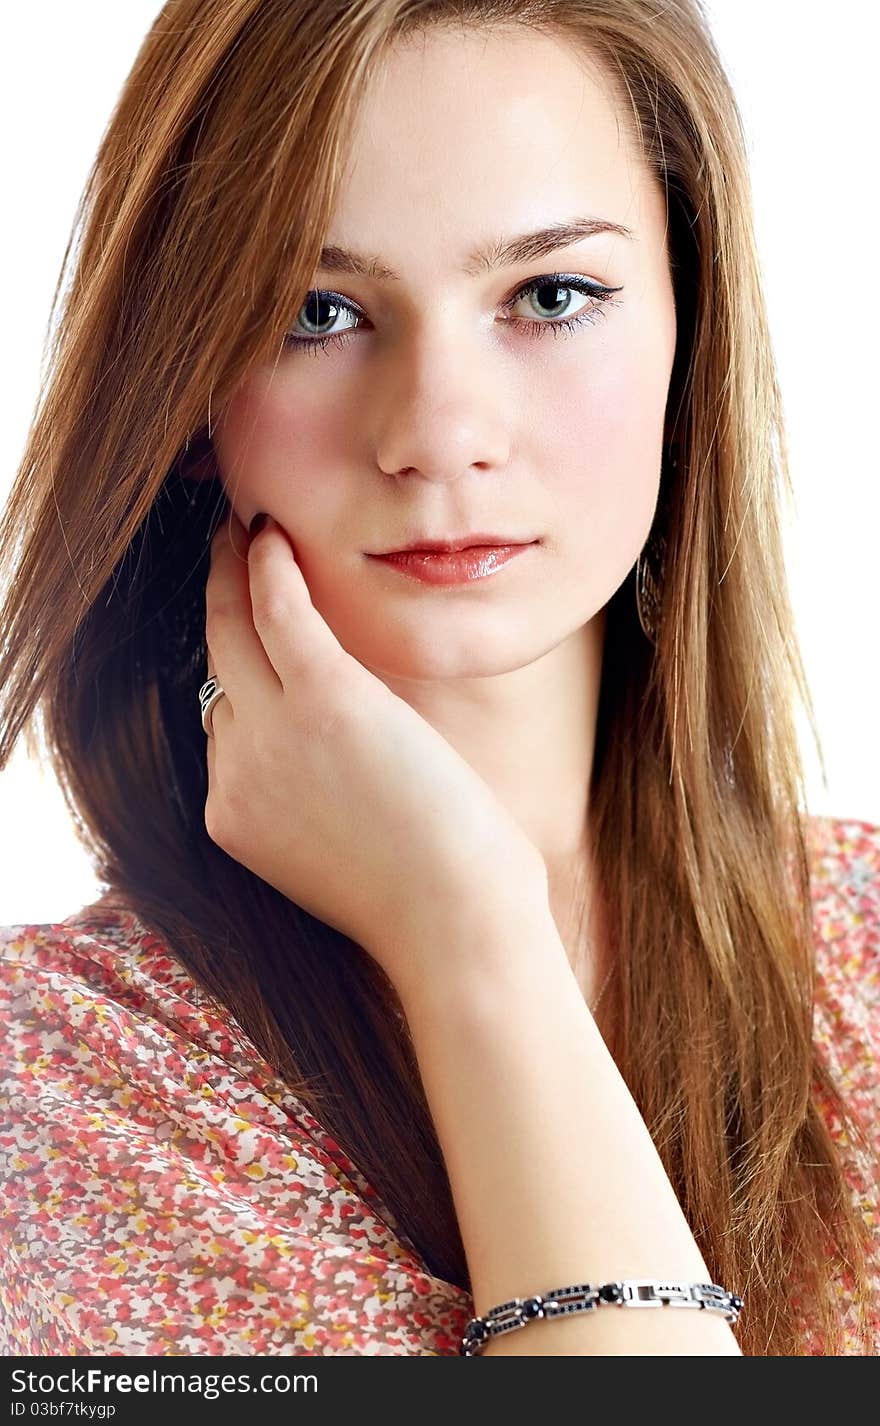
column 208, row 696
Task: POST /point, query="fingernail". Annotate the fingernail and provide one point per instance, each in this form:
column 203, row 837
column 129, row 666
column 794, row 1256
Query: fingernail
column 257, row 523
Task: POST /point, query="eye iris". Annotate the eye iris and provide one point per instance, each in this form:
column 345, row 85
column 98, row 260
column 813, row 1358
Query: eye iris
column 311, row 308
column 554, row 288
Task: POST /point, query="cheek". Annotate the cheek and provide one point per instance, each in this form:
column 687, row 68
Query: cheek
column 269, row 446
column 601, row 455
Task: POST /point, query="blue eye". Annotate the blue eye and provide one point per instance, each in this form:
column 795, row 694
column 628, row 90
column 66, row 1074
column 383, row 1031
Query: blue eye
column 322, row 308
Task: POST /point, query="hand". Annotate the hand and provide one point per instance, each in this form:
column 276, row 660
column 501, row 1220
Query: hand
column 326, row 784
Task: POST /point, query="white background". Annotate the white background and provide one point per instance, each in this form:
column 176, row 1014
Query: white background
column 807, row 92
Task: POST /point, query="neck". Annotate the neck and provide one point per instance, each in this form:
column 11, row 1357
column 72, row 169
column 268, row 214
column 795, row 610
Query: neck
column 579, row 911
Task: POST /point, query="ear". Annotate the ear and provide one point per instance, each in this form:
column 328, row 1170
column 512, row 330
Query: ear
column 197, row 460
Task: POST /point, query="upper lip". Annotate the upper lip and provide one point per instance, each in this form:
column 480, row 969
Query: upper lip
column 462, row 542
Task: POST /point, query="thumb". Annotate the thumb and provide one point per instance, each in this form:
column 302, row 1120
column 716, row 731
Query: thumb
column 295, row 636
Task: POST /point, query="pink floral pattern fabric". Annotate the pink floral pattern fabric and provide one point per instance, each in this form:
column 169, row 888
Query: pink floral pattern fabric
column 163, row 1193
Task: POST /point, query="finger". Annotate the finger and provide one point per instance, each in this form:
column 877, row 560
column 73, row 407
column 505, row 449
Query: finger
column 211, row 744
column 297, row 640
column 236, row 655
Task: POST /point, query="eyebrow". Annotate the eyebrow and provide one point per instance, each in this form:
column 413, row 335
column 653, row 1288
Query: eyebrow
column 489, row 257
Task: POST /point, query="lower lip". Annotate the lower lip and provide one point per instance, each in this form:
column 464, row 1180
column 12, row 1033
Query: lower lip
column 453, row 567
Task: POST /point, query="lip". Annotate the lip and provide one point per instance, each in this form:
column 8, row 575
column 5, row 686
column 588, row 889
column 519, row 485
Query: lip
column 446, row 567
column 463, row 542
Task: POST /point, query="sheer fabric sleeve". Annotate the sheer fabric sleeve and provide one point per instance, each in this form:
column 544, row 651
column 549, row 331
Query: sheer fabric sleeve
column 846, row 915
column 159, row 1195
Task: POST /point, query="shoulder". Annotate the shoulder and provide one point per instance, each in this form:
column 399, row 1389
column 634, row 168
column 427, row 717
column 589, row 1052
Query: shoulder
column 845, row 892
column 92, row 999
column 99, row 952
column 845, row 866
column 162, row 1191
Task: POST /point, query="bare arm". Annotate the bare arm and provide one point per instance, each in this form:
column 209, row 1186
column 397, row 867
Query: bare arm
column 554, row 1175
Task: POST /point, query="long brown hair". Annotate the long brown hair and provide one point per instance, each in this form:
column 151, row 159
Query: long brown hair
column 196, row 238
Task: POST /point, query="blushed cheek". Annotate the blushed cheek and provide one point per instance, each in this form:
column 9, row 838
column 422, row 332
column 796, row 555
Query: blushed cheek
column 601, row 463
column 609, row 429
column 271, row 446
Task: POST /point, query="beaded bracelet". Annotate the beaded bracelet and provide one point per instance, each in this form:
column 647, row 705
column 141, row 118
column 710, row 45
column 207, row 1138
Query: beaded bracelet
column 645, row 1292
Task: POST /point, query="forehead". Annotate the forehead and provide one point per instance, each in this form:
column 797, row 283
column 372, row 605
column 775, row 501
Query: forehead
column 466, row 135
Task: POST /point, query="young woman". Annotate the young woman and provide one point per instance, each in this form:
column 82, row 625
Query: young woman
column 465, row 937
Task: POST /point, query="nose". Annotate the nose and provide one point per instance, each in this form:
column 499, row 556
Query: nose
column 442, row 420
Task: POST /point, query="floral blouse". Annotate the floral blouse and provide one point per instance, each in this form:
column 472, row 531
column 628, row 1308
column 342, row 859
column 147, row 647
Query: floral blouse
column 163, row 1193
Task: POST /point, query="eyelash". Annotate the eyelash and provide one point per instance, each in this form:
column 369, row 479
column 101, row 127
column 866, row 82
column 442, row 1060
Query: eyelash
column 535, row 328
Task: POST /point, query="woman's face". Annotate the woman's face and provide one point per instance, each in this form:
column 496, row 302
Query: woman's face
column 452, row 401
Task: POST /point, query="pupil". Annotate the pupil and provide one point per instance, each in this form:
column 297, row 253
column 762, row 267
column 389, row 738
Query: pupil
column 554, row 288
column 311, row 308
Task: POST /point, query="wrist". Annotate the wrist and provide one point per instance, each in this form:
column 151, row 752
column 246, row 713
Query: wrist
column 497, row 949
